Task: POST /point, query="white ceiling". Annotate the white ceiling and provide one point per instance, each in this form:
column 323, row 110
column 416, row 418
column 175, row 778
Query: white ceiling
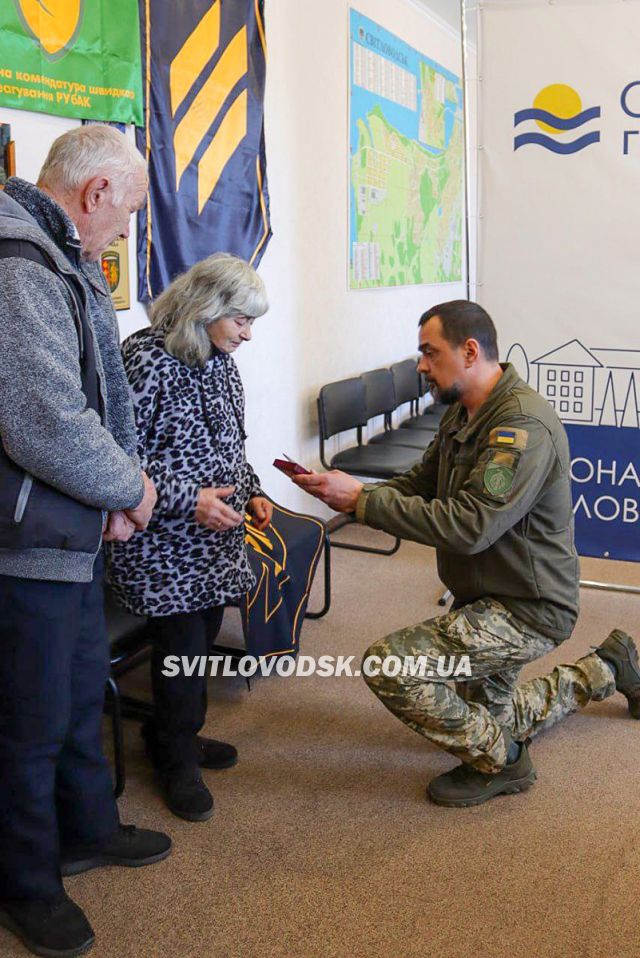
column 447, row 10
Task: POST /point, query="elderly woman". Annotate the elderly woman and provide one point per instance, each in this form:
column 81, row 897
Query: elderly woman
column 189, row 406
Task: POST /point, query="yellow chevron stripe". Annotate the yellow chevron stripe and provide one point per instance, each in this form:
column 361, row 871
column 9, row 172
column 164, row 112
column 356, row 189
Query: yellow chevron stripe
column 231, row 67
column 250, row 531
column 194, row 55
column 263, row 209
column 263, row 205
column 231, row 133
column 260, row 28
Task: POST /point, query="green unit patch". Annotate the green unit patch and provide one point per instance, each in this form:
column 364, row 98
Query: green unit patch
column 498, row 478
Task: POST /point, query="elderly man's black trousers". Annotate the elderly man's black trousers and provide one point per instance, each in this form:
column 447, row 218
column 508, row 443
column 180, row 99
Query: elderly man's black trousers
column 55, row 783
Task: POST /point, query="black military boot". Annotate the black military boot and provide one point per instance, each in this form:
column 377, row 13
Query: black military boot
column 464, row 785
column 619, row 652
column 56, row 929
column 130, row 847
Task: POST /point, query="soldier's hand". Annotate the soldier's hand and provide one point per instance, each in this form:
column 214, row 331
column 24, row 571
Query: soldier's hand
column 337, row 489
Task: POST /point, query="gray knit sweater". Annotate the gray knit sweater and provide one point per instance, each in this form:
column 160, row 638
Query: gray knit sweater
column 45, row 425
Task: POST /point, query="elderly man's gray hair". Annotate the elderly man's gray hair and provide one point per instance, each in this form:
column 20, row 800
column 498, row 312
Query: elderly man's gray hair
column 88, row 151
column 221, row 285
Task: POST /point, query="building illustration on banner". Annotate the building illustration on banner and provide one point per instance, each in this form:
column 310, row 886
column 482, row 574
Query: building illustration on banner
column 593, row 386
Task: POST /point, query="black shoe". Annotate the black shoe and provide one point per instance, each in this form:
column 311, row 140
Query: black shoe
column 215, row 754
column 130, row 847
column 210, row 754
column 52, row 929
column 186, row 794
column 618, row 650
column 465, row 786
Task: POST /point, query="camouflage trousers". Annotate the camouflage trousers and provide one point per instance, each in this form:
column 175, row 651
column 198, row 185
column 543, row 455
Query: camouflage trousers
column 466, row 716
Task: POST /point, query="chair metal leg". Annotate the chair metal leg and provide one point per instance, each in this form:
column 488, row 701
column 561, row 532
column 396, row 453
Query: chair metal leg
column 346, row 520
column 327, row 581
column 231, row 652
column 137, row 709
column 118, row 744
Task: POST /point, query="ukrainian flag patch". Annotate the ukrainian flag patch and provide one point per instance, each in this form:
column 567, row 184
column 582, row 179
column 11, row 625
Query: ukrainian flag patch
column 503, row 436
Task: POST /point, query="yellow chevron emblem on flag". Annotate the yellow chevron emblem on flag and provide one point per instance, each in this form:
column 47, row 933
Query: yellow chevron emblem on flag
column 53, row 23
column 208, row 105
column 261, row 542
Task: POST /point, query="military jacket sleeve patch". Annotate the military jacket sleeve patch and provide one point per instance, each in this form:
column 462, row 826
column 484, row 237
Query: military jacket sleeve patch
column 500, row 473
column 505, row 438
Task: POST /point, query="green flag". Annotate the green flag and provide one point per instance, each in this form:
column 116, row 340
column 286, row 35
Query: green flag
column 75, row 58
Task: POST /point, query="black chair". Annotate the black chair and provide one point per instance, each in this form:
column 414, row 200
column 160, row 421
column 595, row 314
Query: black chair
column 435, row 410
column 410, row 386
column 381, row 401
column 342, row 406
column 130, row 646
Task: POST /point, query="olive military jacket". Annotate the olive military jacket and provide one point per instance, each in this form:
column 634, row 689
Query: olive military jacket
column 493, row 495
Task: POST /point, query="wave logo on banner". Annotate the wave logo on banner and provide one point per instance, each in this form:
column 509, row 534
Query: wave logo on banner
column 557, row 109
column 595, row 391
column 54, row 25
column 208, row 105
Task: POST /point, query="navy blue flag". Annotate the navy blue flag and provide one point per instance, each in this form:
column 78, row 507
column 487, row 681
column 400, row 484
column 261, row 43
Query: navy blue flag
column 284, row 559
column 205, row 65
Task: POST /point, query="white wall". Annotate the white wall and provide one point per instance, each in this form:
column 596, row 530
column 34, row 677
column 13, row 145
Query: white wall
column 316, row 330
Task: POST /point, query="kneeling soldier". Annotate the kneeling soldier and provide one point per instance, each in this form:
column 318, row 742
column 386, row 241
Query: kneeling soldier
column 493, row 495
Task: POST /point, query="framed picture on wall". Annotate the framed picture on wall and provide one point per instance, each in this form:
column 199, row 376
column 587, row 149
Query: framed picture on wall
column 7, row 154
column 115, row 266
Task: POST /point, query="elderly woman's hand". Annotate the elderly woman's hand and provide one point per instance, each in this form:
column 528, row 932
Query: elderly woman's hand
column 214, row 513
column 261, row 511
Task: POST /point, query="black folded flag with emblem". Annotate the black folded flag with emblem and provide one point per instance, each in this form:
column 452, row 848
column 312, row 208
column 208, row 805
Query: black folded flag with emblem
column 205, row 65
column 284, row 559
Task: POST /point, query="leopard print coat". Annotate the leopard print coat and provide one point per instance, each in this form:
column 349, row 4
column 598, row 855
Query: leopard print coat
column 190, row 435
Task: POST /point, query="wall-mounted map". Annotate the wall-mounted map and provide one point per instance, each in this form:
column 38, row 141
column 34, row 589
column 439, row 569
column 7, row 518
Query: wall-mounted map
column 406, row 163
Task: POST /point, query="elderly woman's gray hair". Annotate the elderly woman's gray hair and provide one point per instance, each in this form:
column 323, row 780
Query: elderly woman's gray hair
column 221, row 285
column 87, row 151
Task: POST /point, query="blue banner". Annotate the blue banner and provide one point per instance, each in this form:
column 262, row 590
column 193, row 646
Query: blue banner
column 205, row 65
column 605, row 474
column 595, row 391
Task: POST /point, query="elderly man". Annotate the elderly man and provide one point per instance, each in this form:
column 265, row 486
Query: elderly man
column 69, row 476
column 493, row 495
